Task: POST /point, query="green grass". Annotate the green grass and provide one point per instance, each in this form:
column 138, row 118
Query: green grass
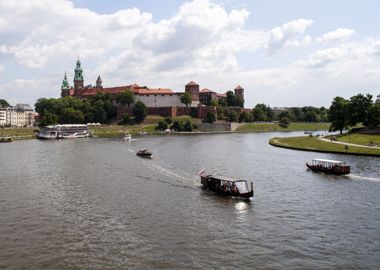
column 273, row 127
column 313, row 144
column 362, row 139
column 18, row 133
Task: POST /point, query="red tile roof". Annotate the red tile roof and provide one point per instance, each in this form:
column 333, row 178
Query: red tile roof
column 206, row 90
column 239, row 87
column 155, row 91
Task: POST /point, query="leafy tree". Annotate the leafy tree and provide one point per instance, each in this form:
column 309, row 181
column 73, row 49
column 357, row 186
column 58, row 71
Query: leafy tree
column 374, row 115
column 140, row 111
column 4, row 103
column 231, row 99
column 284, row 114
column 339, row 114
column 222, row 102
column 377, row 99
column 162, row 125
column 177, row 126
column 232, row 116
column 214, row 103
column 126, row 119
column 209, row 118
column 48, row 119
column 72, row 116
column 126, row 98
column 358, row 109
column 259, row 115
column 186, row 99
column 311, row 116
column 284, row 122
column 168, row 120
column 245, row 117
column 188, row 126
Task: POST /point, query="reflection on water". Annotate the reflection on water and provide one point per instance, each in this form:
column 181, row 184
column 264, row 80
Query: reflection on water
column 92, row 204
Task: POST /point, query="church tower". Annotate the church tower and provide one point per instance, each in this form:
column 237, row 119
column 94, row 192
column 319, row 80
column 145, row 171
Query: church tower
column 99, row 82
column 78, row 77
column 65, row 88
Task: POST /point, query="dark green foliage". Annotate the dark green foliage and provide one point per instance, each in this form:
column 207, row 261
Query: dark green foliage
column 168, row 120
column 358, row 109
column 4, row 103
column 339, row 114
column 188, row 126
column 245, row 117
column 162, row 125
column 231, row 99
column 126, row 119
column 71, row 116
column 98, row 108
column 374, row 115
column 239, row 101
column 48, row 119
column 177, row 126
column 284, row 122
column 140, row 111
column 193, row 112
column 209, row 118
column 126, row 98
column 186, row 99
column 232, row 116
column 180, row 126
column 262, row 112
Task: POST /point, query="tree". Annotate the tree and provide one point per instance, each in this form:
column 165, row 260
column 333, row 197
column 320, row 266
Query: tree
column 126, row 119
column 177, row 126
column 284, row 122
column 72, row 116
column 186, row 99
column 374, row 115
column 126, row 98
column 232, row 116
column 231, row 100
column 140, row 111
column 168, row 120
column 193, row 112
column 162, row 125
column 358, row 109
column 259, row 115
column 4, row 103
column 245, row 117
column 239, row 101
column 188, row 126
column 209, row 118
column 339, row 114
column 48, row 119
column 311, row 116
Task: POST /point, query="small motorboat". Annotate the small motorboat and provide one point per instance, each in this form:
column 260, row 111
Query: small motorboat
column 127, row 137
column 227, row 186
column 329, row 166
column 144, row 153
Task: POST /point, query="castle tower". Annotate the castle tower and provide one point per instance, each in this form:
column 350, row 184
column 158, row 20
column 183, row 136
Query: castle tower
column 78, row 77
column 193, row 89
column 65, row 88
column 99, row 82
column 239, row 91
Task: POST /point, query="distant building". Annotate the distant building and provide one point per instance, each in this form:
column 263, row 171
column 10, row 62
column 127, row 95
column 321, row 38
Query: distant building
column 21, row 115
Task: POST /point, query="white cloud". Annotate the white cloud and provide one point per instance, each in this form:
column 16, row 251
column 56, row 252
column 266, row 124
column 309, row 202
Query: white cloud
column 288, row 35
column 339, row 34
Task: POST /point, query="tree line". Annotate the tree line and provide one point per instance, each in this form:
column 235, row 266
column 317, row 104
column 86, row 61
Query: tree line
column 358, row 109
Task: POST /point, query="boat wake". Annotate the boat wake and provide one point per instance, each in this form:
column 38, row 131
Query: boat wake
column 372, row 179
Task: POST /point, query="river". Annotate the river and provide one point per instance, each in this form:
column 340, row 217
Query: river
column 93, row 204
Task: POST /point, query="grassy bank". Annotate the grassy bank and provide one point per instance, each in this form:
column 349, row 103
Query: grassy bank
column 362, row 139
column 308, row 143
column 18, row 133
column 274, row 127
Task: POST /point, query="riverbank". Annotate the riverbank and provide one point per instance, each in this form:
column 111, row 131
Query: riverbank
column 308, row 143
column 275, row 127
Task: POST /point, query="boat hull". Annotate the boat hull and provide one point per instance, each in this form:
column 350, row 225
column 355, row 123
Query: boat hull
column 338, row 170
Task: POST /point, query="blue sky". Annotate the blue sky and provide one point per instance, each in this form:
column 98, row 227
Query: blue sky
column 283, row 52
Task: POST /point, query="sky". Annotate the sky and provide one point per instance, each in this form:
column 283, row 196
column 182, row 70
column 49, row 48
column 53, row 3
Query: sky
column 282, row 52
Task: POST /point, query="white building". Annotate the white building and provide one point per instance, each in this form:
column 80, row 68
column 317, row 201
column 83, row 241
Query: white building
column 21, row 115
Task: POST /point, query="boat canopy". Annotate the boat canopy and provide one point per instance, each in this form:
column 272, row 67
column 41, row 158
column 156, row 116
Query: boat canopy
column 225, row 178
column 335, row 162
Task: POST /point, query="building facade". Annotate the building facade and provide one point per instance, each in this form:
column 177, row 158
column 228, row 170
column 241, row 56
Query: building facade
column 21, row 115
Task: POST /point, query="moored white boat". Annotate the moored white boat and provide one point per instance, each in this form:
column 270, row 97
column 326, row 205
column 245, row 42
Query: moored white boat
column 65, row 131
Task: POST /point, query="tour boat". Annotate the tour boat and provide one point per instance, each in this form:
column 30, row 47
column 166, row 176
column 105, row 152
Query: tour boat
column 227, row 186
column 329, row 166
column 144, row 153
column 66, row 131
column 127, row 137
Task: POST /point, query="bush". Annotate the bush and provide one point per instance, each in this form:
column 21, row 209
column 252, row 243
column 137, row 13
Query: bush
column 162, row 125
column 193, row 112
column 168, row 120
column 209, row 118
column 126, row 119
column 284, row 122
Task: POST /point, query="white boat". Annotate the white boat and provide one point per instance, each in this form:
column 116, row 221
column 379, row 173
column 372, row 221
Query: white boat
column 66, row 131
column 127, row 137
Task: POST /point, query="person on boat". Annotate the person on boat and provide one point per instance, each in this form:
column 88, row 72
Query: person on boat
column 234, row 189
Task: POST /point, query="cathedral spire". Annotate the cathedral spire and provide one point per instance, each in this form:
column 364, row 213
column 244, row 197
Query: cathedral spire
column 78, row 77
column 99, row 82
